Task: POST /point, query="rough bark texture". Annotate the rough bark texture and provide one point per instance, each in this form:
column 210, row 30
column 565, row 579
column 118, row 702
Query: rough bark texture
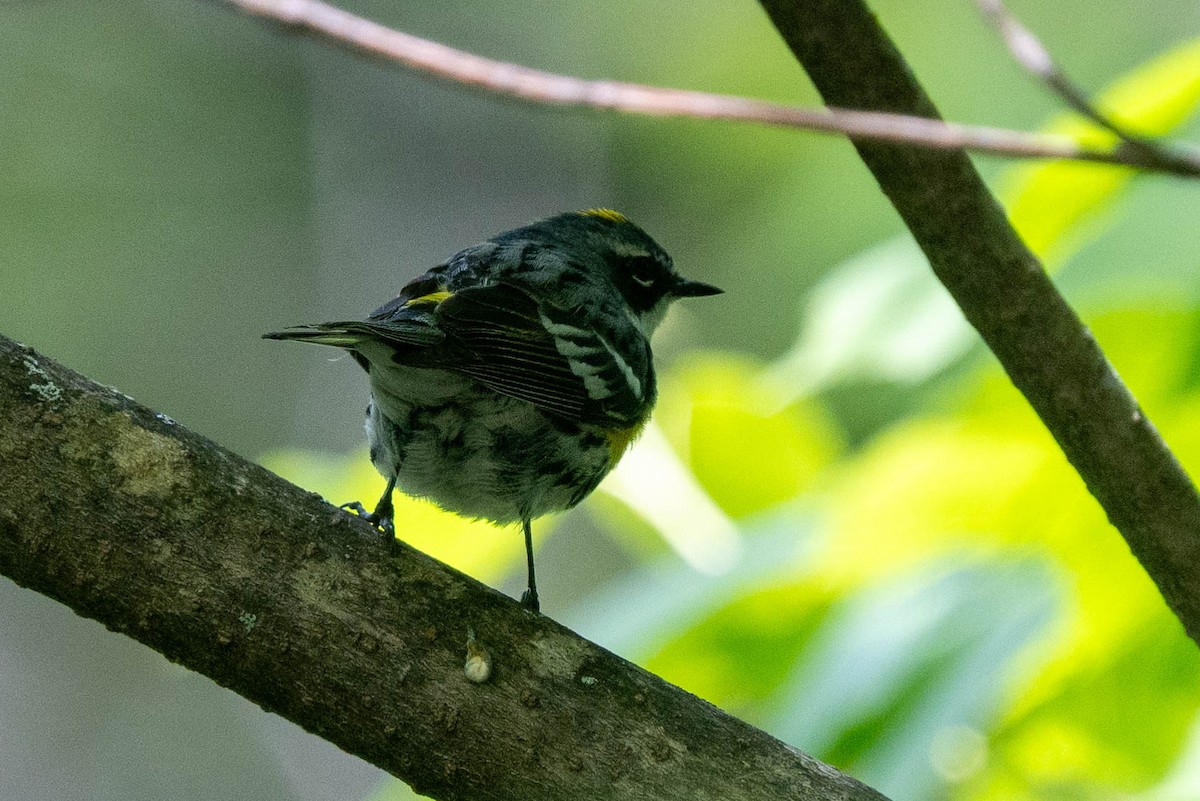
column 1004, row 292
column 131, row 519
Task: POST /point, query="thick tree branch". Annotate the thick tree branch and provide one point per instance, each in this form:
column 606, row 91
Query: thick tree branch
column 221, row 566
column 514, row 80
column 1004, row 292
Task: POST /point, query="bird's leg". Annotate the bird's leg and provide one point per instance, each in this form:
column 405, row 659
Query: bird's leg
column 382, row 516
column 529, row 598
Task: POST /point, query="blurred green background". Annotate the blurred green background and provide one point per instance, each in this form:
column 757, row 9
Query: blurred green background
column 845, row 527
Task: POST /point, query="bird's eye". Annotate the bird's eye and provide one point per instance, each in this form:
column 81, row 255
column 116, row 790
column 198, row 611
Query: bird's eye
column 645, row 271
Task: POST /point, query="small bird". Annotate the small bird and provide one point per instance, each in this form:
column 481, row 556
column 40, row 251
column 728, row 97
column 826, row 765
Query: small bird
column 509, row 380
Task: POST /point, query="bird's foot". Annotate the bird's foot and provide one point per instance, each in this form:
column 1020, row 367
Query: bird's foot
column 529, row 600
column 382, row 522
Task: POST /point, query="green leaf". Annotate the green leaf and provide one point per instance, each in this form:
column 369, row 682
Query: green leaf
column 882, row 315
column 1106, row 702
column 1060, row 206
column 647, row 608
column 901, row 681
column 748, row 450
column 1118, row 723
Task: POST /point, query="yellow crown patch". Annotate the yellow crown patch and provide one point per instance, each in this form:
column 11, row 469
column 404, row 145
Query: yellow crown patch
column 607, row 214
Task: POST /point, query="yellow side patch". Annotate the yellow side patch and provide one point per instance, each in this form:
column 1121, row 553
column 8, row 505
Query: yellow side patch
column 606, row 214
column 432, row 297
column 620, row 439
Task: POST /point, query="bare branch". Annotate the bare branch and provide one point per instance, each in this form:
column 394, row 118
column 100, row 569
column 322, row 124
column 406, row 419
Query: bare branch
column 513, row 80
column 1007, row 296
column 1030, row 53
column 129, row 518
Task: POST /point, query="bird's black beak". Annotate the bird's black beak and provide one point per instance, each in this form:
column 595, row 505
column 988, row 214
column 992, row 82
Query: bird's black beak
column 694, row 289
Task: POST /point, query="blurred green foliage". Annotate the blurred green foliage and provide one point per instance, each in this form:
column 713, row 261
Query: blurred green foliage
column 845, row 525
column 962, row 622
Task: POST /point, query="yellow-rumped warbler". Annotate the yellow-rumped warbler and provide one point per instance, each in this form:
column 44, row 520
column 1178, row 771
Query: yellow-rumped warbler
column 509, row 380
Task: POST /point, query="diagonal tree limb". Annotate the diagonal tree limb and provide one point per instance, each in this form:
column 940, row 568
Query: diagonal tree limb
column 514, row 80
column 131, row 519
column 1028, row 51
column 1007, row 296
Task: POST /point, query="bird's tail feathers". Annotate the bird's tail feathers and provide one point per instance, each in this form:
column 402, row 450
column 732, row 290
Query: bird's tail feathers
column 350, row 335
column 339, row 335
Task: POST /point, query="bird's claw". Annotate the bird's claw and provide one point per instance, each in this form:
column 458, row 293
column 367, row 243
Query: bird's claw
column 384, row 524
column 356, row 507
column 529, row 600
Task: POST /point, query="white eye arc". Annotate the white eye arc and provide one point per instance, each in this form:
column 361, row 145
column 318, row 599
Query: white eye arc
column 645, row 271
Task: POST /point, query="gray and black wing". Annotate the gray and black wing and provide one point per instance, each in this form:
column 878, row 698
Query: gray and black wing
column 504, row 339
column 543, row 355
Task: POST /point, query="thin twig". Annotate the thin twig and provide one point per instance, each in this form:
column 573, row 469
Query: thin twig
column 1028, row 51
column 514, row 80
